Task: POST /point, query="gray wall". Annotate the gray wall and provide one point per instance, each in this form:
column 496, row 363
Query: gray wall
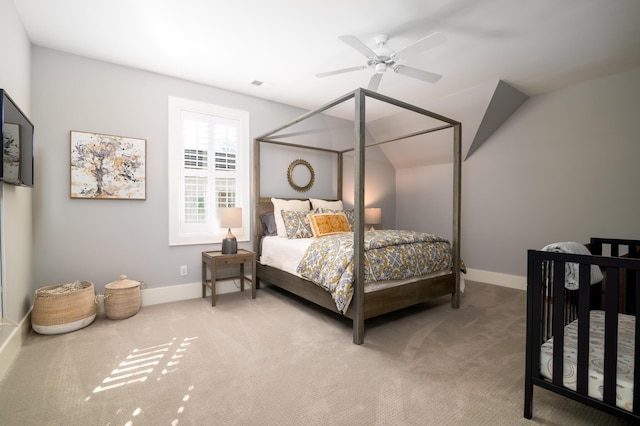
column 564, row 167
column 97, row 240
column 379, row 185
column 425, row 199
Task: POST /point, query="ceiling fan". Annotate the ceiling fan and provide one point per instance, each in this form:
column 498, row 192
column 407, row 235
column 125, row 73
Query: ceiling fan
column 383, row 58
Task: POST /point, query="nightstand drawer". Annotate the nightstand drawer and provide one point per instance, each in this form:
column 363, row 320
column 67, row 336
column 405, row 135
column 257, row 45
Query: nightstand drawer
column 234, row 261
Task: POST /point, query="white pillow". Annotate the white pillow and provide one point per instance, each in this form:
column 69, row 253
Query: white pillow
column 290, row 205
column 324, row 204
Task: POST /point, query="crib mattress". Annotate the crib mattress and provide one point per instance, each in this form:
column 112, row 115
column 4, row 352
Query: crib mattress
column 626, row 353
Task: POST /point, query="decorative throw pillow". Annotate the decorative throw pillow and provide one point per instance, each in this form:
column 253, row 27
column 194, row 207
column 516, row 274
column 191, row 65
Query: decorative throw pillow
column 349, row 213
column 324, row 204
column 269, row 224
column 350, row 217
column 328, row 223
column 290, row 205
column 296, row 224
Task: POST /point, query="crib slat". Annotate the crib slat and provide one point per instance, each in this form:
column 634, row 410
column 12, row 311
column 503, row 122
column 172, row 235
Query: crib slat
column 584, row 324
column 632, row 290
column 611, row 336
column 547, row 287
column 558, row 322
column 636, row 361
column 615, row 249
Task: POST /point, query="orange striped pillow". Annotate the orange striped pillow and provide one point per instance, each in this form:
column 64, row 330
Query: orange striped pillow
column 328, row 223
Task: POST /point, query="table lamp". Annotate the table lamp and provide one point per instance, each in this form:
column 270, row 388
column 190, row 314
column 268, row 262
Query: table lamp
column 372, row 216
column 230, row 217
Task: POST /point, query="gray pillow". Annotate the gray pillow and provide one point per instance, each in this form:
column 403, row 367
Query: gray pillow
column 269, row 224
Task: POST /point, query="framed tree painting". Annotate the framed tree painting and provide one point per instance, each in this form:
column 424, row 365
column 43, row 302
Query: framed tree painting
column 107, row 167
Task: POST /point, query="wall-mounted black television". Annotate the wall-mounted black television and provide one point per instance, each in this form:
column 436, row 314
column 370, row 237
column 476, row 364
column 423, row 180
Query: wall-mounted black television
column 17, row 143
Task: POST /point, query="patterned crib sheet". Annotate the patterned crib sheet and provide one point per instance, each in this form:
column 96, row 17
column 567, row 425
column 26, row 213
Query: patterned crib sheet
column 389, row 255
column 626, row 353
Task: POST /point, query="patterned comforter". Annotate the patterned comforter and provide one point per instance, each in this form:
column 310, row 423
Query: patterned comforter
column 389, row 255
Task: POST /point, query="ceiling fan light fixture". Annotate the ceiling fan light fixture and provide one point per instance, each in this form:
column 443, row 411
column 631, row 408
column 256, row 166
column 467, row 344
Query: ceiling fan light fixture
column 382, row 58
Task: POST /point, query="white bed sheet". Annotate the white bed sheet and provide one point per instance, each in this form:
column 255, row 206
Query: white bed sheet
column 284, row 253
column 626, row 354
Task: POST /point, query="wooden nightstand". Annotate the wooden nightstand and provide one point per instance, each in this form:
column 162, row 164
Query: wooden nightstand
column 213, row 259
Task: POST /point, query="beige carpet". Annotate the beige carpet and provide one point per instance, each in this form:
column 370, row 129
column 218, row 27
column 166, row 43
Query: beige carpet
column 277, row 360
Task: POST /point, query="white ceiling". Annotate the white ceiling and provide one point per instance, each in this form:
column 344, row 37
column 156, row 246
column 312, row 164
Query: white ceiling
column 535, row 45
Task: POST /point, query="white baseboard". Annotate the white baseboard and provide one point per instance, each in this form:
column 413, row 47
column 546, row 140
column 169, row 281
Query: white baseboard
column 174, row 293
column 13, row 341
column 496, row 278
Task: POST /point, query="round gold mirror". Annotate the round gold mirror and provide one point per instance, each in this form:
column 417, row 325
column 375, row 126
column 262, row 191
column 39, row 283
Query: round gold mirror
column 298, row 175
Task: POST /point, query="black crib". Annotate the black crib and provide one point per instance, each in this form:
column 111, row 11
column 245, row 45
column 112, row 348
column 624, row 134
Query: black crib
column 545, row 319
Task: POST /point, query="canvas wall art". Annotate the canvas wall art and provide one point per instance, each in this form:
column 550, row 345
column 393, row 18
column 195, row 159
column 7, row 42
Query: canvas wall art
column 107, row 166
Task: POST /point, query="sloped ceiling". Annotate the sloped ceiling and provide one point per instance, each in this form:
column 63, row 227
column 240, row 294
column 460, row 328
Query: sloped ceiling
column 481, row 110
column 505, row 101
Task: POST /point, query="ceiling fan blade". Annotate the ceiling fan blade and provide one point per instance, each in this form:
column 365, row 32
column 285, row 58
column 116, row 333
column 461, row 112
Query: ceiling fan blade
column 355, row 42
column 328, row 73
column 432, row 40
column 374, row 82
column 417, row 73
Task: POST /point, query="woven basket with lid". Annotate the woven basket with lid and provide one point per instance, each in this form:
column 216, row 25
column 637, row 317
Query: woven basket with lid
column 122, row 298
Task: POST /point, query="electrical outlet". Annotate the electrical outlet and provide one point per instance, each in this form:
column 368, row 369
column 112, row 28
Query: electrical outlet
column 183, row 270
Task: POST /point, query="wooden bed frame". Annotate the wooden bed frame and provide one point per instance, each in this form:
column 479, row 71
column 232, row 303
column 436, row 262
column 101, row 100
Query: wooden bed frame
column 546, row 319
column 370, row 304
column 376, row 303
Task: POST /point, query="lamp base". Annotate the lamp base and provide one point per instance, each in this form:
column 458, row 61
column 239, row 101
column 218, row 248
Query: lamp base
column 229, row 244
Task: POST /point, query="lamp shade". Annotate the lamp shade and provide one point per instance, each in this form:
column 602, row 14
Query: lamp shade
column 230, row 217
column 373, row 216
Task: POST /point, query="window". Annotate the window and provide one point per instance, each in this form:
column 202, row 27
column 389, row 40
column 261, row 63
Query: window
column 208, row 168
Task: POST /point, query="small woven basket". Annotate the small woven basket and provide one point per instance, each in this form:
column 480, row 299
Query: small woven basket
column 62, row 308
column 122, row 298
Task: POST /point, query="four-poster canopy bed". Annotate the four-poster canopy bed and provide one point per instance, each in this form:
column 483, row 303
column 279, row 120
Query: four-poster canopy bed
column 373, row 300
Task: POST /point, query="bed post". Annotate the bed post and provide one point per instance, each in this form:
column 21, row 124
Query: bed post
column 255, row 194
column 457, row 179
column 340, row 174
column 358, row 232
